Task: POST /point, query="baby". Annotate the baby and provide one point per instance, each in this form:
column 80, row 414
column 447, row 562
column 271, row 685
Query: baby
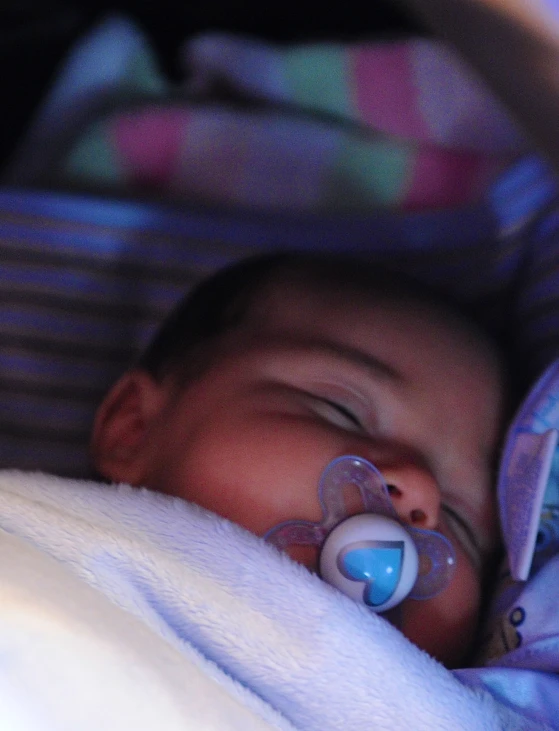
column 274, row 367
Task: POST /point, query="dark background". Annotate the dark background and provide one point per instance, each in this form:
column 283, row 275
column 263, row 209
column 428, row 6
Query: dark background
column 35, row 36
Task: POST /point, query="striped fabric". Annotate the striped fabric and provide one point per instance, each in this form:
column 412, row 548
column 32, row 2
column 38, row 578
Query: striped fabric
column 416, row 88
column 301, row 127
column 84, row 282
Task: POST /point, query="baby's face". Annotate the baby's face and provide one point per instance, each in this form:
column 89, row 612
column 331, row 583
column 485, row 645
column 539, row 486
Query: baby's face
column 317, row 376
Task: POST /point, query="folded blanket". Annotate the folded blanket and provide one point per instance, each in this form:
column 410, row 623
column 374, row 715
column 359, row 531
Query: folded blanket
column 115, row 601
column 309, row 127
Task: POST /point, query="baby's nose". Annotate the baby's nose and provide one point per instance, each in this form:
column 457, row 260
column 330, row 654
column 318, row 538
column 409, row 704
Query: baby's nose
column 414, row 493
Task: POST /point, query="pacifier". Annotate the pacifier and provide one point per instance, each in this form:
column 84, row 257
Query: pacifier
column 372, row 557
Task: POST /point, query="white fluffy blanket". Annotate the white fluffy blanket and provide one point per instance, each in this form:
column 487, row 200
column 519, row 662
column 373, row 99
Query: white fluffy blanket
column 124, row 609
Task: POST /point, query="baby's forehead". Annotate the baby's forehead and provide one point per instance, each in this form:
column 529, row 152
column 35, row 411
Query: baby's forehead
column 302, row 294
column 401, row 322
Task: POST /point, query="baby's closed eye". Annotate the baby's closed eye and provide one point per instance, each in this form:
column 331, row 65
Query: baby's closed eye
column 335, row 412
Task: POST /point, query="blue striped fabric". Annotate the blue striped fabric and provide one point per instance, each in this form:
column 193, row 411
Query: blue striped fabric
column 84, row 282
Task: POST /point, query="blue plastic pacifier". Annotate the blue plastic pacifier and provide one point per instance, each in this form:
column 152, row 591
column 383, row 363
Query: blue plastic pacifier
column 373, row 557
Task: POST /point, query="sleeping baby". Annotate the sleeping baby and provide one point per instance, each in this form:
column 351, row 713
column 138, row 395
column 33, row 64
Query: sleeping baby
column 122, row 606
column 276, row 366
column 153, row 602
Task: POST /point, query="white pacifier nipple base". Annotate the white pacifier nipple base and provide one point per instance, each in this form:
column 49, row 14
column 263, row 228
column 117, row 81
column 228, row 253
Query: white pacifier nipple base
column 372, row 559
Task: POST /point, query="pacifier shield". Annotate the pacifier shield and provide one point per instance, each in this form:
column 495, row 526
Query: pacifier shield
column 376, row 563
column 372, row 557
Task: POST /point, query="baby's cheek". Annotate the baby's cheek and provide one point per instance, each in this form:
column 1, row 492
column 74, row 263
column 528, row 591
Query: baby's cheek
column 244, row 473
column 445, row 626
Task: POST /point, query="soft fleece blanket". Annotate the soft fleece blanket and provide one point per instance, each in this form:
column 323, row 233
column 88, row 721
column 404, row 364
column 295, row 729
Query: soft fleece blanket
column 122, row 608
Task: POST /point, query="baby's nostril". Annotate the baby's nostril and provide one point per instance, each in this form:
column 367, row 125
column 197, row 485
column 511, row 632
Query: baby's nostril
column 393, row 490
column 418, row 516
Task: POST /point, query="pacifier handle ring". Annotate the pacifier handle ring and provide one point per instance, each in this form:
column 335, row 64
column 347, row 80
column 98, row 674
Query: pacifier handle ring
column 372, row 559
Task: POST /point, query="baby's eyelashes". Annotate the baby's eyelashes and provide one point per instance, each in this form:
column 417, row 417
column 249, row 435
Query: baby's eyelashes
column 336, row 413
column 464, row 533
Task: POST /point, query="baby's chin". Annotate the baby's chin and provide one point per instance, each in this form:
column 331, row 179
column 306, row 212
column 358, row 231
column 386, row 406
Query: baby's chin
column 451, row 644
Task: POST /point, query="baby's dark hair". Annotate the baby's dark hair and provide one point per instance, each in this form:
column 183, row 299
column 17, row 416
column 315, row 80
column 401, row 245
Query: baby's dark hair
column 222, row 302
column 210, row 310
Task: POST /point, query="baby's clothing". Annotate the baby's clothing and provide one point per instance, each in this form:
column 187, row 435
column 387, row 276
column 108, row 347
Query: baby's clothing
column 523, row 623
column 120, row 607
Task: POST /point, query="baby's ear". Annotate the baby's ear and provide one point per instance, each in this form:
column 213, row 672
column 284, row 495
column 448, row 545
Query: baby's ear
column 119, row 444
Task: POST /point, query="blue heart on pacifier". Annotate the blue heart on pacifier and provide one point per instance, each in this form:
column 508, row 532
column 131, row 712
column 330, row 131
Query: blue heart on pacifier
column 378, row 564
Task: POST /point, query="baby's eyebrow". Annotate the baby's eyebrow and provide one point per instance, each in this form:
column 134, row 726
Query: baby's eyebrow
column 367, row 361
